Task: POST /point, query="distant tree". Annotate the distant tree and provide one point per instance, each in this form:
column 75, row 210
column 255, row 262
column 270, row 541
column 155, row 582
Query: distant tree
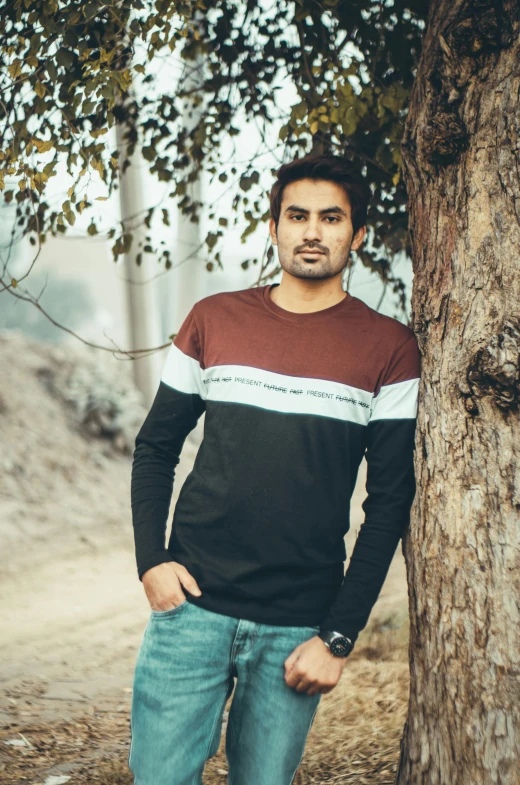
column 71, row 71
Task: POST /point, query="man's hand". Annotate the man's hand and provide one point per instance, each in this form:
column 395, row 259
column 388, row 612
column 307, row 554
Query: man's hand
column 163, row 585
column 312, row 667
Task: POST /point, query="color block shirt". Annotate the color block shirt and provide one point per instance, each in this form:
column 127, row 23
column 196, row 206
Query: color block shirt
column 292, row 402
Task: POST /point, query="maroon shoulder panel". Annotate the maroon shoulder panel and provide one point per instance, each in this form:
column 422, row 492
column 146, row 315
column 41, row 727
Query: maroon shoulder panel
column 348, row 343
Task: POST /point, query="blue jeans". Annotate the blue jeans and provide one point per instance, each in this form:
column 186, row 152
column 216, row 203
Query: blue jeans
column 185, row 672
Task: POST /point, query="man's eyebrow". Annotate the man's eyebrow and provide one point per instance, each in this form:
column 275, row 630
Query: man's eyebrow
column 293, row 208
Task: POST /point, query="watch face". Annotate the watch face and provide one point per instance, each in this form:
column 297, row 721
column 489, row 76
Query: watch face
column 340, row 647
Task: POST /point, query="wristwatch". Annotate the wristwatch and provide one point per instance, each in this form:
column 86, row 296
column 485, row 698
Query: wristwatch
column 339, row 644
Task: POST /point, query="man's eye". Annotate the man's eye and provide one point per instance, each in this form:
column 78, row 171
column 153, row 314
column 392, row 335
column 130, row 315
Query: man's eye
column 331, row 218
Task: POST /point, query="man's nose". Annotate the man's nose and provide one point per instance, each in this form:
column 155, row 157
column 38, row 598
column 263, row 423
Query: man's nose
column 312, row 231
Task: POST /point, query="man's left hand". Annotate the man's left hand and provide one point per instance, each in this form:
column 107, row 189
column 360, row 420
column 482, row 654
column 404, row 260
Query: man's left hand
column 312, row 667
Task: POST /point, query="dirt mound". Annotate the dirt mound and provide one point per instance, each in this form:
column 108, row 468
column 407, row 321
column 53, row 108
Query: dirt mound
column 68, row 420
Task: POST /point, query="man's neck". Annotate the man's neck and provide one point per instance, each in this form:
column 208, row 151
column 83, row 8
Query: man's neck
column 300, row 296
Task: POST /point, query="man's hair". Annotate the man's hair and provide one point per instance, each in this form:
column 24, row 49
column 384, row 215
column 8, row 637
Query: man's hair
column 324, row 167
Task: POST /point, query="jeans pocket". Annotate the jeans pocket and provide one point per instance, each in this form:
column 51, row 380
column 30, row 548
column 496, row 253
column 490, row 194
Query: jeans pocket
column 169, row 612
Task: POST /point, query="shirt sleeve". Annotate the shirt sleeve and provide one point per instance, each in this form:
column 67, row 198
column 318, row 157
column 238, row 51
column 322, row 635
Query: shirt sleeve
column 178, row 404
column 390, row 487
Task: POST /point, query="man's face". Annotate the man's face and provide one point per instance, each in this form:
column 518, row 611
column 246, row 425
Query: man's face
column 314, row 216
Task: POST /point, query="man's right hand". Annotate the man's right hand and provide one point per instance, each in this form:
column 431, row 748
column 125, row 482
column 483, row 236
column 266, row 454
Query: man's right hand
column 163, row 585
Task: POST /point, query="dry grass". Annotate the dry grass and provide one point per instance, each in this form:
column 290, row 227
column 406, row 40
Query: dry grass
column 356, row 734
column 354, row 739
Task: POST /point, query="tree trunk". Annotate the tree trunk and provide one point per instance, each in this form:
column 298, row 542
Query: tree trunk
column 461, row 151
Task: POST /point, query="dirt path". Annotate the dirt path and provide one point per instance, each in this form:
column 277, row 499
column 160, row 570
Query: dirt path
column 70, row 631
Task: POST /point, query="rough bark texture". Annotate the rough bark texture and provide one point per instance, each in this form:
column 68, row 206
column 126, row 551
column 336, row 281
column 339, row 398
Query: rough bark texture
column 461, row 153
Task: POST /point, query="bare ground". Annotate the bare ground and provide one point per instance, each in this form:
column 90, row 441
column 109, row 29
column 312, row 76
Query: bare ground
column 73, row 611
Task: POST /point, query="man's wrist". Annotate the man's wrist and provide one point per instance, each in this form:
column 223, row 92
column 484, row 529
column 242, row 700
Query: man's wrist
column 153, row 560
column 338, row 644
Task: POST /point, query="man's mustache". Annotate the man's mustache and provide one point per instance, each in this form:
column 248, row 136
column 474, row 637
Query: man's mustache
column 303, row 248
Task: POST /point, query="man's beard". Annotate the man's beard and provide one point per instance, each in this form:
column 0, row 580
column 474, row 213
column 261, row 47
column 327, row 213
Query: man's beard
column 319, row 269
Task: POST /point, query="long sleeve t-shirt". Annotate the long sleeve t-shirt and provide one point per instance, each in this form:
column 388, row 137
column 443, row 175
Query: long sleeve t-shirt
column 292, row 402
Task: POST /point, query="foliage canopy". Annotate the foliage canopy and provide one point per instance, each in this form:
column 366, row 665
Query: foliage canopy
column 73, row 70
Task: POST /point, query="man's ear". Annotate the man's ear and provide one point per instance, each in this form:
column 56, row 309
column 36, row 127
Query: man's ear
column 272, row 231
column 358, row 238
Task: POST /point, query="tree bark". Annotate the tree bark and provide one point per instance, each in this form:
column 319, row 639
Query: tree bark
column 461, row 151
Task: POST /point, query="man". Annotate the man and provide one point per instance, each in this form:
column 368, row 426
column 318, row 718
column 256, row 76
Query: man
column 298, row 380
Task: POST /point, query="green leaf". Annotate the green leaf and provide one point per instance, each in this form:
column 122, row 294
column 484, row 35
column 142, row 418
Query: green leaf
column 127, row 242
column 88, row 107
column 90, row 10
column 211, row 240
column 15, row 69
column 65, row 58
column 51, row 70
column 349, row 122
column 246, row 182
